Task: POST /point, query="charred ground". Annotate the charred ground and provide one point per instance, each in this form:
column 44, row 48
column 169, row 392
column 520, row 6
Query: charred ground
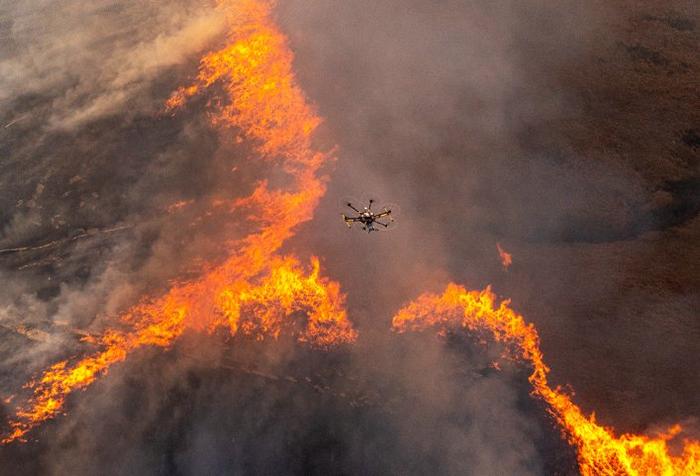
column 567, row 133
column 230, row 407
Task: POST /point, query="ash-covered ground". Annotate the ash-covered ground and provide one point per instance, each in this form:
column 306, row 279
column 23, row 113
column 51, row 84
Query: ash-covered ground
column 567, row 132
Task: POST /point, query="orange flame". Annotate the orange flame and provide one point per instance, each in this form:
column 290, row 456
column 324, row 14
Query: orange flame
column 253, row 291
column 600, row 452
column 506, row 258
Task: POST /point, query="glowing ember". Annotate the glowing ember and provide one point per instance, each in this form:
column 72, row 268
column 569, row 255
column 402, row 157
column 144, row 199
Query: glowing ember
column 506, row 258
column 253, row 291
column 600, row 452
column 179, row 205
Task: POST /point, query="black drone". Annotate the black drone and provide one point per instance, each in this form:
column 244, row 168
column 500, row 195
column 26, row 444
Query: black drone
column 369, row 220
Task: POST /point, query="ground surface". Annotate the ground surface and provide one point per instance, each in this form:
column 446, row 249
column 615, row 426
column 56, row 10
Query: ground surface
column 568, row 133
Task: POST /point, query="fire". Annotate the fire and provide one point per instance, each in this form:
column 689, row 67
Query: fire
column 600, row 451
column 177, row 206
column 254, row 291
column 259, row 307
column 506, row 258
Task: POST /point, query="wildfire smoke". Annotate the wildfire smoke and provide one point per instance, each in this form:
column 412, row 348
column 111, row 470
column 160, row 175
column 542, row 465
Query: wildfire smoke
column 600, row 452
column 254, row 290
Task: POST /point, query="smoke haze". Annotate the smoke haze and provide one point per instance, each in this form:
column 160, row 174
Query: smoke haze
column 566, row 132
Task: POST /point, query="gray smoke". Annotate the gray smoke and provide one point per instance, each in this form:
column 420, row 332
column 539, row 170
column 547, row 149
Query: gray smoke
column 564, row 131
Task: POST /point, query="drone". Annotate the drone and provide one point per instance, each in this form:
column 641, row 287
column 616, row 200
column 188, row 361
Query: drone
column 369, row 219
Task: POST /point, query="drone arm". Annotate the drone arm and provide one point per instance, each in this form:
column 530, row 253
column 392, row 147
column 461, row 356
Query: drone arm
column 350, row 205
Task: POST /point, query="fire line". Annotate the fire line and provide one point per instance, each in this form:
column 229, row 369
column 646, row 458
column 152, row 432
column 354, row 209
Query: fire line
column 255, row 290
column 600, row 452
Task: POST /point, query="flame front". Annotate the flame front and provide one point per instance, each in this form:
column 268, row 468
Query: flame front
column 254, row 291
column 600, row 452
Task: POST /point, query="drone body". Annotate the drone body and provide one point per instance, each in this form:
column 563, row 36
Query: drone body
column 369, row 220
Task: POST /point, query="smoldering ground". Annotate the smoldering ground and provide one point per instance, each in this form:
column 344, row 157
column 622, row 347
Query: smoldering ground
column 553, row 129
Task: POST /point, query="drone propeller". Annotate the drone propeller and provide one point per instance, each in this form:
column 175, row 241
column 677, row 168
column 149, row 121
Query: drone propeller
column 390, row 213
column 348, row 221
column 383, row 215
